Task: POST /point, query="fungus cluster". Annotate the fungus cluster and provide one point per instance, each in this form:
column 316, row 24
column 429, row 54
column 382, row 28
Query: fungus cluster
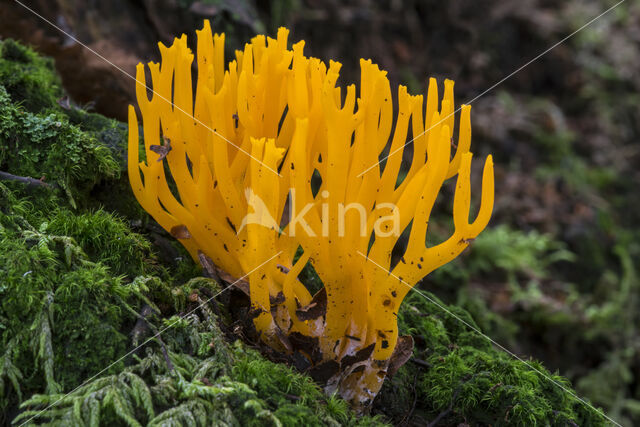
column 272, row 157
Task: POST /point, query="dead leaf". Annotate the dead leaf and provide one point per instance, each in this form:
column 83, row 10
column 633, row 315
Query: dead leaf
column 282, row 337
column 161, row 150
column 64, row 103
column 277, row 300
column 218, row 274
column 308, row 345
column 255, row 312
column 208, row 265
column 360, row 356
column 323, row 372
column 180, row 232
column 316, row 308
column 402, row 353
column 300, row 361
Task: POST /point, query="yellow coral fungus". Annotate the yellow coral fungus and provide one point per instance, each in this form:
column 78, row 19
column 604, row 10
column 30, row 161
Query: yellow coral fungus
column 270, row 141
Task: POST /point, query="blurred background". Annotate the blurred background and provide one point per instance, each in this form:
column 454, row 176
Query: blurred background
column 555, row 276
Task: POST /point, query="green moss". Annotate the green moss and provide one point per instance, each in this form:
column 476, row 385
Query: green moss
column 509, row 252
column 57, row 303
column 208, row 382
column 106, row 238
column 109, row 132
column 29, row 79
column 64, row 317
column 82, row 154
column 462, row 378
column 48, row 146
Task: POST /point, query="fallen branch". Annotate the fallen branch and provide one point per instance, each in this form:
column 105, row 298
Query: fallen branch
column 25, row 180
column 421, row 363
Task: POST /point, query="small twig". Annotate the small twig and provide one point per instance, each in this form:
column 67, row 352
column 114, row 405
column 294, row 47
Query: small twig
column 206, row 311
column 25, row 180
column 420, row 362
column 165, row 353
column 140, row 326
column 447, row 411
column 406, row 418
column 292, row 397
column 210, row 296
